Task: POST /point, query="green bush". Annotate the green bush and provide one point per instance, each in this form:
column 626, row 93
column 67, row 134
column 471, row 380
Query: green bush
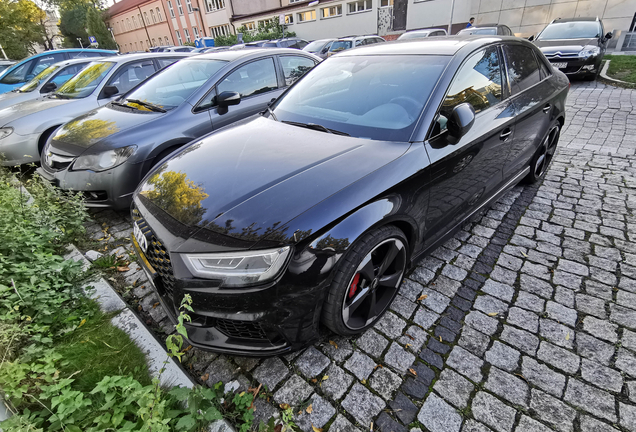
column 271, row 29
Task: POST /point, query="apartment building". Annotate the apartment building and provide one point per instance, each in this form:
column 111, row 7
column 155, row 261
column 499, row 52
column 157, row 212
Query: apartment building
column 138, row 25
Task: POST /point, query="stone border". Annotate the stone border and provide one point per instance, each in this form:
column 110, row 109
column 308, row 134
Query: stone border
column 606, row 77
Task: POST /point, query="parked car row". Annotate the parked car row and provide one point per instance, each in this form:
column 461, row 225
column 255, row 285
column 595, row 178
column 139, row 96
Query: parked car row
column 281, row 192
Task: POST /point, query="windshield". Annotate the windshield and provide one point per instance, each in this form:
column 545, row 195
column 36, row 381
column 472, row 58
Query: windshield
column 35, row 82
column 340, row 45
column 479, row 31
column 373, row 97
column 413, row 35
column 85, row 82
column 176, row 83
column 270, row 44
column 3, row 67
column 315, row 46
column 571, row 30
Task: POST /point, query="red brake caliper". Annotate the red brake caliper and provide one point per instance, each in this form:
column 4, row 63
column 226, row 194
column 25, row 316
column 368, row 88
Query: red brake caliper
column 354, row 285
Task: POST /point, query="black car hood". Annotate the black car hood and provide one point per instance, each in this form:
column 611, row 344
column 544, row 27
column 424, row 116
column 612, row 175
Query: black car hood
column 246, row 181
column 564, row 46
column 99, row 126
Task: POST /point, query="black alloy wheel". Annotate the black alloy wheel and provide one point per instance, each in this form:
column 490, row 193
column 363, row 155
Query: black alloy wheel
column 543, row 157
column 367, row 281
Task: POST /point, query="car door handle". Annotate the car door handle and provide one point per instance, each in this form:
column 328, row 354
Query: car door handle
column 546, row 109
column 505, row 134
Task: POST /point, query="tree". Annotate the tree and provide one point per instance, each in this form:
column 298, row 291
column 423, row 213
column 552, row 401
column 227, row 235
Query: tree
column 72, row 25
column 20, row 27
column 96, row 27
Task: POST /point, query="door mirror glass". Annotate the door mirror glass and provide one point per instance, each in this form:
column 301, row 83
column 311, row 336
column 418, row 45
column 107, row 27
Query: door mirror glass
column 608, row 35
column 227, row 98
column 460, row 121
column 48, row 87
column 110, row 90
column 531, row 38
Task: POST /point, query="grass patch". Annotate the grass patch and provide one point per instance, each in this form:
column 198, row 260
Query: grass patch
column 622, row 67
column 98, row 349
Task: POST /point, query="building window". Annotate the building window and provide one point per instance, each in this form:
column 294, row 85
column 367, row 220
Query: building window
column 159, row 14
column 180, row 7
column 167, row 41
column 136, row 48
column 141, row 44
column 139, row 19
column 289, row 19
column 360, row 6
column 189, row 5
column 196, row 32
column 128, row 24
column 214, row 5
column 146, row 20
column 171, row 8
column 187, row 35
column 385, row 3
column 307, row 16
column 332, row 11
column 179, row 37
column 250, row 25
column 154, row 42
column 154, row 17
column 263, row 23
column 222, row 30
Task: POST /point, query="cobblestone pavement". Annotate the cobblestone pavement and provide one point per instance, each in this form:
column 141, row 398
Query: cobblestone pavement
column 524, row 321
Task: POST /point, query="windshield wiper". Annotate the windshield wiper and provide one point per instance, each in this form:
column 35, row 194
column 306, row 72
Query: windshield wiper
column 123, row 105
column 58, row 95
column 317, row 127
column 148, row 105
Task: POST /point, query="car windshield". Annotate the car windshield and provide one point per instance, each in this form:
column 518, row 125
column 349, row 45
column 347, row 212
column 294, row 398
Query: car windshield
column 35, row 82
column 176, row 83
column 571, row 30
column 270, row 44
column 340, row 45
column 85, row 82
column 413, row 35
column 373, row 97
column 479, row 31
column 315, row 46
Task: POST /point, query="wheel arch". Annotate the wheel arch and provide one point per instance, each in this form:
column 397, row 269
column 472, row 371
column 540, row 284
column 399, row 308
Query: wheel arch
column 44, row 136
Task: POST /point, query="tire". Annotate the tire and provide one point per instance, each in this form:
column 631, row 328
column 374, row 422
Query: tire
column 386, row 246
column 542, row 158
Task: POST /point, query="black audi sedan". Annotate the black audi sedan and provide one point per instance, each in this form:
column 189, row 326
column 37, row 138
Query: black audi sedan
column 314, row 211
column 575, row 46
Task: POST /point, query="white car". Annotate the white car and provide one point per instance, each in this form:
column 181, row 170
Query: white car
column 417, row 34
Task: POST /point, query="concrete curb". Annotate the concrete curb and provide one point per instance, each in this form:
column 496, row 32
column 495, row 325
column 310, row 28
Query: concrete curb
column 604, row 75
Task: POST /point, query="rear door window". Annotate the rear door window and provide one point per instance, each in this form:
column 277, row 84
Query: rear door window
column 45, row 61
column 66, row 73
column 523, row 69
column 294, row 67
column 132, row 74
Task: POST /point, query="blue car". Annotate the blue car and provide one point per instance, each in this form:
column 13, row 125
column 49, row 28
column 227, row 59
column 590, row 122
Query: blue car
column 25, row 70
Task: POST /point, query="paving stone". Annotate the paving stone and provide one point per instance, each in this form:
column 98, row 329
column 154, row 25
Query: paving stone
column 623, row 316
column 530, row 302
column 398, row 358
column 413, row 339
column 629, row 340
column 573, row 267
column 567, row 279
column 387, row 424
column 590, row 424
column 339, row 350
column 599, row 290
column 601, row 376
column 403, row 408
column 489, row 304
column 591, row 305
column 561, row 314
column 360, row 365
column 594, row 349
column 337, row 384
column 321, row 413
column 312, row 362
column 527, row 424
column 503, row 356
column 503, row 275
column 556, row 333
column 524, row 319
column 494, row 413
column 438, row 416
column 341, row 424
column 403, row 306
column 372, row 343
column 510, row 262
column 454, row 272
column 293, row 391
column 481, row 322
column 465, row 363
column 410, row 290
column 271, row 372
column 552, row 411
column 425, row 317
column 520, row 339
column 391, row 325
column 536, row 270
column 263, row 411
column 385, row 382
column 627, row 416
column 362, row 404
column 422, row 275
column 445, row 286
column 497, row 289
column 590, row 399
column 454, row 388
column 626, row 362
column 432, row 358
column 542, row 376
column 558, row 357
column 626, row 299
column 536, row 286
column 220, row 370
column 600, row 328
column 474, row 341
column 435, row 301
column 473, row 426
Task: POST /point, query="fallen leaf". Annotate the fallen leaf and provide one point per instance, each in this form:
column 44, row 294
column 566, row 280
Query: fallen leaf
column 309, row 409
column 363, row 381
column 284, row 406
column 413, row 372
column 407, row 345
column 122, row 269
column 567, row 336
column 524, row 254
column 333, row 343
column 278, row 427
column 325, row 377
column 80, row 324
column 440, row 339
column 422, row 297
column 409, row 336
column 205, row 377
column 492, row 314
column 378, row 366
column 155, row 305
column 315, row 429
column 187, row 349
column 314, row 380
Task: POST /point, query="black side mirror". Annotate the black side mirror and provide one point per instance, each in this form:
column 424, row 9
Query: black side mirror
column 271, row 102
column 227, row 98
column 608, row 35
column 48, row 87
column 531, row 38
column 109, row 91
column 460, row 122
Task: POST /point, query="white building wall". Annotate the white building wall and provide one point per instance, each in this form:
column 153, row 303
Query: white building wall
column 436, row 13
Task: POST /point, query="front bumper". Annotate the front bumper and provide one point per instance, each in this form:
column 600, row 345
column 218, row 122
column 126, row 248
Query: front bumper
column 112, row 188
column 265, row 320
column 19, row 149
column 578, row 67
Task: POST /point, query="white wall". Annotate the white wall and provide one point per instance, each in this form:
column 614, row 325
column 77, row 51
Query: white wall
column 436, row 13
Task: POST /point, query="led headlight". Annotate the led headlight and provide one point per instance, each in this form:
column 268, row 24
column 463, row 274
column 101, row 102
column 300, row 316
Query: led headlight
column 238, row 268
column 589, row 51
column 5, row 132
column 105, row 160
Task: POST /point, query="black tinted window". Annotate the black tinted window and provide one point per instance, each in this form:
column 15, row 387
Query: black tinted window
column 478, row 83
column 523, row 69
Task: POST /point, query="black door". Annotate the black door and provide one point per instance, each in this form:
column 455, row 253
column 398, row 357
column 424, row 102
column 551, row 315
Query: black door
column 399, row 14
column 466, row 174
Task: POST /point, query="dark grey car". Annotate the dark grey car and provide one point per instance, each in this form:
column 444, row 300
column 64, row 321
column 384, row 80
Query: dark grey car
column 105, row 153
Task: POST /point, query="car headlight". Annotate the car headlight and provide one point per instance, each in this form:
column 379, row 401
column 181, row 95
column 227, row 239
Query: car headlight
column 589, row 51
column 5, row 132
column 105, row 160
column 238, row 268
